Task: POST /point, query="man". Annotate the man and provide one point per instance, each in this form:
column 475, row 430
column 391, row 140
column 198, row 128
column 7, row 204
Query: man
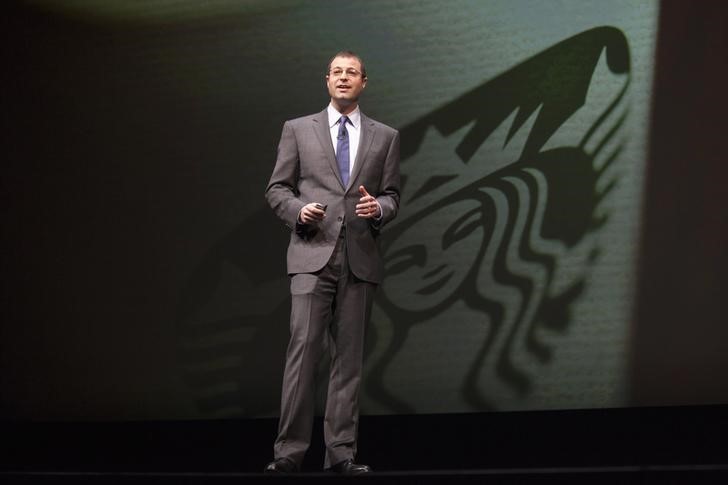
column 335, row 184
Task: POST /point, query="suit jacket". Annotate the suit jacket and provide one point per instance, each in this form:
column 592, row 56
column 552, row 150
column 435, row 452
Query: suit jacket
column 306, row 171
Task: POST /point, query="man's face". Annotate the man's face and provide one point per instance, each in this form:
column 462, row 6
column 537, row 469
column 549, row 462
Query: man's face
column 345, row 81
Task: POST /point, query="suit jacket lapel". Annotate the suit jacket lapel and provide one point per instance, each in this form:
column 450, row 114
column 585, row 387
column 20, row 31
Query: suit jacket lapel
column 321, row 128
column 365, row 142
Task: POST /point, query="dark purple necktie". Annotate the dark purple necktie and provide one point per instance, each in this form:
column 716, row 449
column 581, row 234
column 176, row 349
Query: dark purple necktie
column 342, row 150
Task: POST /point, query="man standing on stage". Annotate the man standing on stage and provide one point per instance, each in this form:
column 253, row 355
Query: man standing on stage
column 335, row 184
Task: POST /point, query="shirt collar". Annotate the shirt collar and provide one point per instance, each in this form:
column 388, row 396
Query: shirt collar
column 354, row 116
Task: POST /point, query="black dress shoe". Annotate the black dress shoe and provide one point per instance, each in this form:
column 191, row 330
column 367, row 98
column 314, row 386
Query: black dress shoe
column 348, row 467
column 281, row 465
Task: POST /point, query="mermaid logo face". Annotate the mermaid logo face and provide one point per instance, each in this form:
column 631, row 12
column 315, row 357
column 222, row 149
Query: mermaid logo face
column 424, row 271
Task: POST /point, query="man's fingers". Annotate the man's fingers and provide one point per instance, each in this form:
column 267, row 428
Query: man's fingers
column 311, row 213
column 314, row 209
column 368, row 208
column 363, row 191
column 366, row 205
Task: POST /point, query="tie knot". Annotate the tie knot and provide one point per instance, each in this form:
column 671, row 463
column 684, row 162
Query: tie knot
column 342, row 127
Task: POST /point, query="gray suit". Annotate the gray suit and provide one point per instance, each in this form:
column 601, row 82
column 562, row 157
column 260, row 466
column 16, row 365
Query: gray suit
column 334, row 266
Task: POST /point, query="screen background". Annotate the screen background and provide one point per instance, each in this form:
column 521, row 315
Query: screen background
column 145, row 277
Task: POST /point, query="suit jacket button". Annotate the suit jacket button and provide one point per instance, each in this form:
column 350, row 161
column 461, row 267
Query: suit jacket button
column 338, row 219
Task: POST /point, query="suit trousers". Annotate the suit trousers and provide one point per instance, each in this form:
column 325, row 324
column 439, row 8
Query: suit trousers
column 330, row 304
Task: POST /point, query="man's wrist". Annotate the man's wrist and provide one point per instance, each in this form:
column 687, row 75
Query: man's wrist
column 378, row 217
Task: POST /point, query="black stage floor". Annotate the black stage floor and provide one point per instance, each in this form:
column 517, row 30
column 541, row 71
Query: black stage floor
column 631, row 446
column 662, row 475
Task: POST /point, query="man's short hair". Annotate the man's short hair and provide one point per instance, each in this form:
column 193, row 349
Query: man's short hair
column 348, row 53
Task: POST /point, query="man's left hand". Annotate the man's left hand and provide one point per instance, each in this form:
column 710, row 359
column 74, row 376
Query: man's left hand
column 368, row 207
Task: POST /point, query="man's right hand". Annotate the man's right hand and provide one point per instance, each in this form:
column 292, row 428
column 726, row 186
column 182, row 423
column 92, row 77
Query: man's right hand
column 311, row 214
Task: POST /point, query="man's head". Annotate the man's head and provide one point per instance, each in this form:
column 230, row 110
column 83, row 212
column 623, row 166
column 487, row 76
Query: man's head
column 346, row 78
